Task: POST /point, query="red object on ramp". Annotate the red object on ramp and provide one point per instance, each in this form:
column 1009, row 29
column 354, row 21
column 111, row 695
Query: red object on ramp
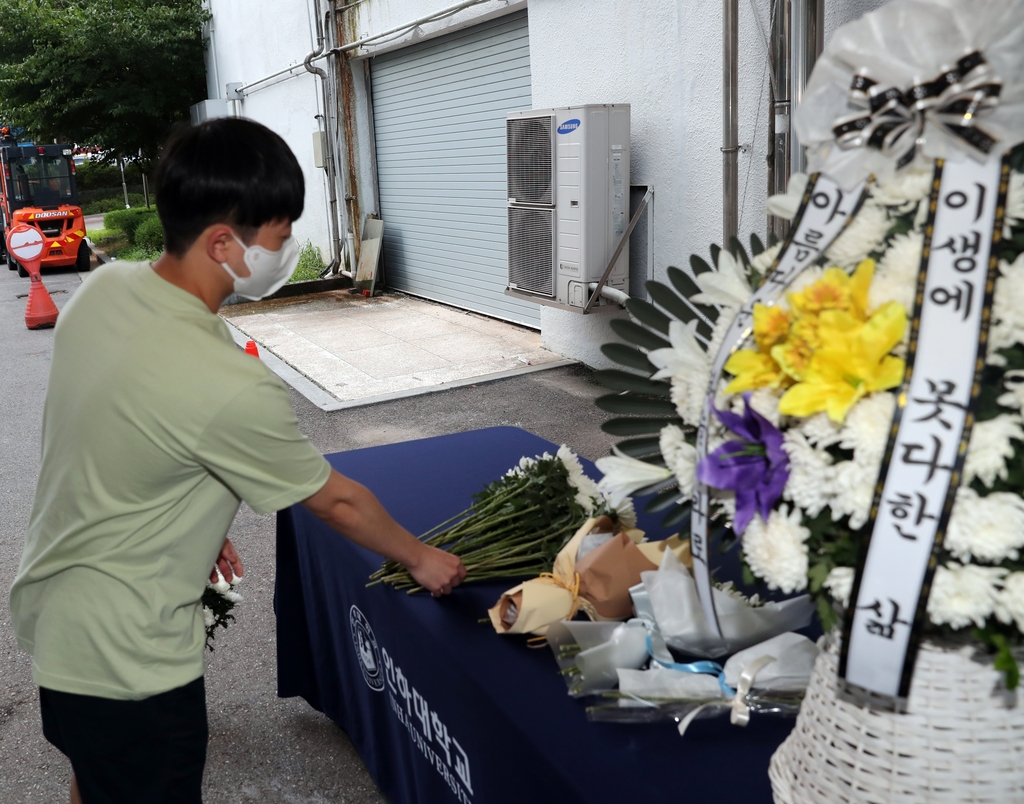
column 250, row 349
column 25, row 243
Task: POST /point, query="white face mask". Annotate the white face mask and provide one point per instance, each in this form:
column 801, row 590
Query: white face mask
column 268, row 270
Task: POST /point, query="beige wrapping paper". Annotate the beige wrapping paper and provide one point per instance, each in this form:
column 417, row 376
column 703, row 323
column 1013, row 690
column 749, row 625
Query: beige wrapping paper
column 533, row 606
column 655, row 550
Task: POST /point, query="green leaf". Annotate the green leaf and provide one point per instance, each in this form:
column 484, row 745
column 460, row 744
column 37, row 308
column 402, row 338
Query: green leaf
column 640, row 447
column 648, row 314
column 756, row 246
column 655, row 488
column 663, row 500
column 817, row 575
column 736, row 247
column 715, row 251
column 635, row 405
column 727, row 542
column 677, row 517
column 637, row 335
column 749, row 579
column 667, row 298
column 625, row 381
column 827, row 614
column 628, row 356
column 682, row 282
column 699, row 265
column 630, row 425
column 1006, row 662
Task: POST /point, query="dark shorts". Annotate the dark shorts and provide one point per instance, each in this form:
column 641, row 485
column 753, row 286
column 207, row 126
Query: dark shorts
column 125, row 752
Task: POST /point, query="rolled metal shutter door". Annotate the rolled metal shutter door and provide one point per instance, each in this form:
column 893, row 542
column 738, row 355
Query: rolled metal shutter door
column 439, row 121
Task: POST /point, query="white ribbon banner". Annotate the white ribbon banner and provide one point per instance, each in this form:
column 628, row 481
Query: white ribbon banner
column 931, row 427
column 824, row 212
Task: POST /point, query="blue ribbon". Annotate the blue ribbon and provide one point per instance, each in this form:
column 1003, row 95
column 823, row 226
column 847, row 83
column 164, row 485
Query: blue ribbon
column 706, row 667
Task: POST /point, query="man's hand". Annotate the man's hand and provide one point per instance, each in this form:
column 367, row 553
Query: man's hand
column 353, row 511
column 228, row 562
column 437, row 571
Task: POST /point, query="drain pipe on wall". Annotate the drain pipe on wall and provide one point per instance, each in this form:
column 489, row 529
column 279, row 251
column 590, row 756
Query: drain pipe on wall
column 730, row 121
column 336, row 265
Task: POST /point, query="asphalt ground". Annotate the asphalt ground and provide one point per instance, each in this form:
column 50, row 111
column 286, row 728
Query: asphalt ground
column 262, row 748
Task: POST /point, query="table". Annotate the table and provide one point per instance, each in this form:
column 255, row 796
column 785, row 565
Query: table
column 439, row 706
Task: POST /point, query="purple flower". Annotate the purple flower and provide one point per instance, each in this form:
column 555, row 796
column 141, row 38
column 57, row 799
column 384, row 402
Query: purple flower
column 756, row 468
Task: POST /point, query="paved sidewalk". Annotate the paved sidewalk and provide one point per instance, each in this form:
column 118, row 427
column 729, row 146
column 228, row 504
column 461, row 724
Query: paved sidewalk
column 362, row 350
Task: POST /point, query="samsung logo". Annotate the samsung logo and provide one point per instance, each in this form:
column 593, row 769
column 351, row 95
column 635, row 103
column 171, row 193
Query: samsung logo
column 569, row 126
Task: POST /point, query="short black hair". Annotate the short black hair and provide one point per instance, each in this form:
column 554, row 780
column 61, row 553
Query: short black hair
column 228, row 170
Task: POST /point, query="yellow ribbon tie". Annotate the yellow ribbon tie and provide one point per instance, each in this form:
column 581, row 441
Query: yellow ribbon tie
column 573, row 588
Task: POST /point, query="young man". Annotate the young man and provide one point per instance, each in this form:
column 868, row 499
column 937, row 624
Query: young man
column 155, row 428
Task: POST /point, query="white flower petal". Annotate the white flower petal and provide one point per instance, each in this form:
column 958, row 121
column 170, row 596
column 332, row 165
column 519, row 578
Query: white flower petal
column 1010, row 601
column 840, row 584
column 624, row 475
column 990, row 446
column 989, row 528
column 964, row 594
column 786, row 205
column 864, row 234
column 680, row 456
column 776, row 550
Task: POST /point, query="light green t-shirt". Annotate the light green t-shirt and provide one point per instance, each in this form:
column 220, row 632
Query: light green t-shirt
column 155, row 427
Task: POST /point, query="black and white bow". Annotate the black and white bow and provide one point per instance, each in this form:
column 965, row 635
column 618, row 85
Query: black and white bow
column 896, row 119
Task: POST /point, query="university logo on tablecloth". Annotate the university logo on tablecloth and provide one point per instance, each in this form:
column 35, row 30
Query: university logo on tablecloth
column 366, row 649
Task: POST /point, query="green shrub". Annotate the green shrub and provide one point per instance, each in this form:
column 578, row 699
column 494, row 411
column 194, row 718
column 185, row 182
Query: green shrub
column 311, row 263
column 115, row 200
column 150, row 234
column 128, row 220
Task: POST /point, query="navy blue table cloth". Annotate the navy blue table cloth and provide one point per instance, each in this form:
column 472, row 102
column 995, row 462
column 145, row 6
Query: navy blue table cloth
column 443, row 709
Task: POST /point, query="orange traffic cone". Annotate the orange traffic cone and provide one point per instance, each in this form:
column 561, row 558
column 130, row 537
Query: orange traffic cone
column 40, row 311
column 250, row 349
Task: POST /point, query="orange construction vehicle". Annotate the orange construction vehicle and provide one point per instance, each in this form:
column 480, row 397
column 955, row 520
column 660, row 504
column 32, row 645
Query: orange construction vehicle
column 37, row 187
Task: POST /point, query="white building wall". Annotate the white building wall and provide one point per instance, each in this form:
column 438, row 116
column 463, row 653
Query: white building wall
column 663, row 57
column 248, row 41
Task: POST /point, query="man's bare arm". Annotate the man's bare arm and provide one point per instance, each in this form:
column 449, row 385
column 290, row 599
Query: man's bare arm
column 353, row 511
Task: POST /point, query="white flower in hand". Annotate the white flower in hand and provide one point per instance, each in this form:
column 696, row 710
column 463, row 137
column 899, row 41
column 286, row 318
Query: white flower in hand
column 727, row 286
column 786, row 205
column 624, row 475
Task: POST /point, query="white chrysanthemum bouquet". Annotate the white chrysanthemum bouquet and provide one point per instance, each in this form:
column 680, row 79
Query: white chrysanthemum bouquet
column 219, row 599
column 517, row 524
column 803, row 412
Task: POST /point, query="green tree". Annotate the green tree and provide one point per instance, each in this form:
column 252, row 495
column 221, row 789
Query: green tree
column 113, row 73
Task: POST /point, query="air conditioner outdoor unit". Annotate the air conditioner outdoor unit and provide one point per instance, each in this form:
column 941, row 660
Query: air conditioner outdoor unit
column 568, row 197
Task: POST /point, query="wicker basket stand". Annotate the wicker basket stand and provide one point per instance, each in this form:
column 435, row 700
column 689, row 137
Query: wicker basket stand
column 960, row 740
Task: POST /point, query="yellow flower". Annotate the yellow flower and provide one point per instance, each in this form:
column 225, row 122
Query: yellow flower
column 771, row 326
column 852, row 361
column 752, row 370
column 836, row 290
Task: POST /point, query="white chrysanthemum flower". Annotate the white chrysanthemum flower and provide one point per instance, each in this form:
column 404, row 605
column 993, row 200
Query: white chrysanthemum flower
column 687, row 364
column 680, row 456
column 728, row 286
column 587, row 494
column 724, row 502
column 220, row 586
column 1010, row 600
column 624, row 475
column 987, row 529
column 990, row 447
column 785, row 205
column 840, row 584
column 853, row 492
column 810, row 474
column 234, row 597
column 776, row 550
column 208, row 617
column 725, row 318
column 625, row 513
column 867, row 426
column 896, row 273
column 1013, row 382
column 903, row 188
column 763, row 261
column 1014, row 215
column 820, row 430
column 863, row 235
column 964, row 594
column 1007, row 326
